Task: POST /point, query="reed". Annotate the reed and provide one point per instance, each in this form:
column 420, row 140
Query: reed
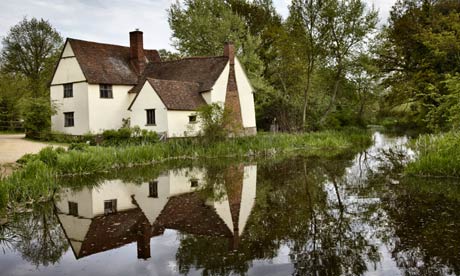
column 438, row 155
column 38, row 177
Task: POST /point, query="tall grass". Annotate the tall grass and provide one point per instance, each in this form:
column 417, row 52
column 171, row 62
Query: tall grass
column 38, row 176
column 438, row 156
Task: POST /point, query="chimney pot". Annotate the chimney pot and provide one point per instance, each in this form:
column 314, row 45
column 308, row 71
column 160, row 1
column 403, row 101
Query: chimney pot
column 229, row 51
column 136, row 51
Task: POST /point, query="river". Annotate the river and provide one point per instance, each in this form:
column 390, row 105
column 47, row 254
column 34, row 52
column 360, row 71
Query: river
column 353, row 214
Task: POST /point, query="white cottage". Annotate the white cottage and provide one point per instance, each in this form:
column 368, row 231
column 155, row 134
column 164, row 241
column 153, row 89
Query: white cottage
column 95, row 86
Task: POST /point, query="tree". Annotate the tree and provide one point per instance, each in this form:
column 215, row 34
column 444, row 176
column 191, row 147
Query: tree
column 349, row 25
column 31, row 49
column 420, row 48
column 310, row 15
column 201, row 27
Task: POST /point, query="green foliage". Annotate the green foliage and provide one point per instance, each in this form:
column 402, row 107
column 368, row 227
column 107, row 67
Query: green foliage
column 437, row 155
column 31, row 49
column 36, row 114
column 419, row 53
column 12, row 88
column 216, row 123
column 78, row 146
column 38, row 177
column 129, row 136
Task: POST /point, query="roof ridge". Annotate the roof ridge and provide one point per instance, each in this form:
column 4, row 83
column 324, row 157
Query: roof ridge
column 188, row 58
column 178, row 81
column 106, row 44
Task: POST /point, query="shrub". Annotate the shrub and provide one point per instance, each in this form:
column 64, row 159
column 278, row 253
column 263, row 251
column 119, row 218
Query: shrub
column 36, row 114
column 129, row 136
column 217, row 123
column 78, row 146
column 48, row 156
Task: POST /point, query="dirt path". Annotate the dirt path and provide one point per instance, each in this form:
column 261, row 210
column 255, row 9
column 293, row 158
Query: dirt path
column 14, row 146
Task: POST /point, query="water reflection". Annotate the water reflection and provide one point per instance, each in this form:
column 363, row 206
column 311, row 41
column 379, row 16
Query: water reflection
column 349, row 215
column 115, row 213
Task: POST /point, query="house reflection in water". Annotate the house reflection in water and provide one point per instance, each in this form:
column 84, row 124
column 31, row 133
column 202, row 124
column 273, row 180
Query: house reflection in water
column 116, row 213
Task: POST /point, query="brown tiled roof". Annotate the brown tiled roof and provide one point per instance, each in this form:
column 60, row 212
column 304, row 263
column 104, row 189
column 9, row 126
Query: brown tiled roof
column 106, row 63
column 177, row 95
column 189, row 214
column 111, row 231
column 203, row 70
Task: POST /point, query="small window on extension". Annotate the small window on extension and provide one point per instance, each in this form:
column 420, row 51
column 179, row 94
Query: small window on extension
column 193, row 183
column 192, row 119
column 150, row 117
column 110, row 206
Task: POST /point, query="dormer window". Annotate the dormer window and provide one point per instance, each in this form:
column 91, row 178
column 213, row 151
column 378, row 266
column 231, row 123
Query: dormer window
column 68, row 90
column 105, row 91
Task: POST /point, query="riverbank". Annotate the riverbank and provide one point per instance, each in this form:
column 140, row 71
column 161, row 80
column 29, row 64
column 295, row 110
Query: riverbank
column 37, row 178
column 438, row 155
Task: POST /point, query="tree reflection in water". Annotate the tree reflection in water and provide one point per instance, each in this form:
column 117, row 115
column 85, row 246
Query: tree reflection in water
column 334, row 216
column 36, row 235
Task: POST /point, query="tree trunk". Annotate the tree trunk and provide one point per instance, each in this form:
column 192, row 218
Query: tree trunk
column 334, row 96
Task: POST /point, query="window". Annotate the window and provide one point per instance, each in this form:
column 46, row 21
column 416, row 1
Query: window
column 105, row 91
column 193, row 183
column 110, row 206
column 68, row 90
column 68, row 119
column 153, row 189
column 73, row 208
column 192, row 119
column 150, row 116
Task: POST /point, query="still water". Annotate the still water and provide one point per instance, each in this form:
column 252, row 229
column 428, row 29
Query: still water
column 348, row 215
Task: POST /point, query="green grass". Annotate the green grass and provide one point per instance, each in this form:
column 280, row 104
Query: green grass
column 438, row 156
column 11, row 132
column 38, row 178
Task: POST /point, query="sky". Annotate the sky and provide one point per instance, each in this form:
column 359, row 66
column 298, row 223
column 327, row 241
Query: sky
column 110, row 21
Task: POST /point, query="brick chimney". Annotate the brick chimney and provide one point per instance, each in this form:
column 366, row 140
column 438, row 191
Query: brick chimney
column 229, row 51
column 136, row 50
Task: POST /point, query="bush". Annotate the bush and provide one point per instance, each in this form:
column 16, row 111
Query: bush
column 129, row 136
column 78, row 146
column 217, row 123
column 36, row 114
column 48, row 156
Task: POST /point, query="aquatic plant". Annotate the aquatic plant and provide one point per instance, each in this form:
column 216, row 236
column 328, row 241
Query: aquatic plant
column 37, row 179
column 438, row 155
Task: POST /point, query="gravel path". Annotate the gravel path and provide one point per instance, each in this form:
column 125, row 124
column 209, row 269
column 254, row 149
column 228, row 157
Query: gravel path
column 14, row 146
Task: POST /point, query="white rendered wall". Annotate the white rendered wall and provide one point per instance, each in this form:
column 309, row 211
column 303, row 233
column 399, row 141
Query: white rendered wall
column 77, row 104
column 113, row 189
column 108, row 113
column 206, row 96
column 68, row 69
column 180, row 180
column 152, row 206
column 179, row 125
column 149, row 99
column 219, row 90
column 248, row 195
column 245, row 92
